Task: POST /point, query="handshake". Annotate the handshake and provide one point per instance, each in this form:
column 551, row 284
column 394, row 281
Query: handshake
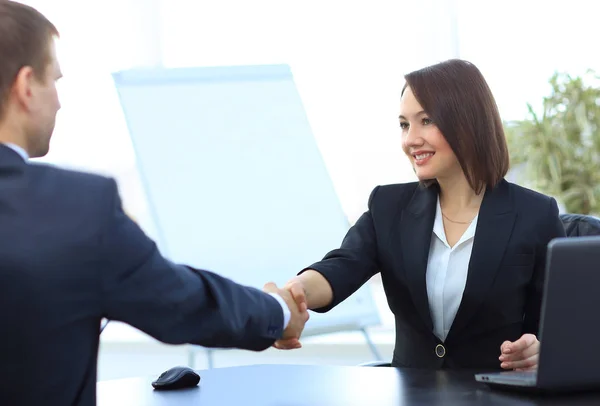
column 294, row 295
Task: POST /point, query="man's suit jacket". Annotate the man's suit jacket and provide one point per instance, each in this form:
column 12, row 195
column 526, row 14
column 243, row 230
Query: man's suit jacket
column 502, row 297
column 69, row 256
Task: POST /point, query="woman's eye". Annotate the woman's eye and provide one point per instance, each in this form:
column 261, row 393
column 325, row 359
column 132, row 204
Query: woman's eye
column 427, row 121
column 404, row 125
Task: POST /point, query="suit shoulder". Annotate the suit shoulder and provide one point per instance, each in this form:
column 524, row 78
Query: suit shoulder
column 76, row 192
column 524, row 197
column 392, row 194
column 71, row 178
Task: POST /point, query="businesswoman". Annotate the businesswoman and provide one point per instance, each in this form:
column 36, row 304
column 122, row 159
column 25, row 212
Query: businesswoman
column 461, row 252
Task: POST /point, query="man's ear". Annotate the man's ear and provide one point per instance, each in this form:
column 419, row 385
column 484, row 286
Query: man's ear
column 22, row 90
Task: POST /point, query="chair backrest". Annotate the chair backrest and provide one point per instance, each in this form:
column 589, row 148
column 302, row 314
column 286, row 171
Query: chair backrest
column 579, row 225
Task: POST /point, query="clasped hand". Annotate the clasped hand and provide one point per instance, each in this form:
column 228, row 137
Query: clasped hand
column 299, row 316
column 520, row 355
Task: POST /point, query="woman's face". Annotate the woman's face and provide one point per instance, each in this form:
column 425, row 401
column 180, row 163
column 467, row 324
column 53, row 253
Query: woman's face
column 427, row 149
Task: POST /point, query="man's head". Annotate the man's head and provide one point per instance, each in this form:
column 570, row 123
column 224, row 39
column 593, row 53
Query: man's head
column 28, row 73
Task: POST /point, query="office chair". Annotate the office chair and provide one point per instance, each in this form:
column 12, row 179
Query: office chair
column 580, row 225
column 576, row 225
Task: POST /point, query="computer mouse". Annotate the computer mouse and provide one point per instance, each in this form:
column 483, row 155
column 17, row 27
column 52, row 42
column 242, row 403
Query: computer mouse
column 176, row 378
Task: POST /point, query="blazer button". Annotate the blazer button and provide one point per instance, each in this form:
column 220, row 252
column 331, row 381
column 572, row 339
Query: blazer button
column 440, row 351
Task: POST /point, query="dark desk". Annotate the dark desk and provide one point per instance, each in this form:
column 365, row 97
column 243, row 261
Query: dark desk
column 307, row 385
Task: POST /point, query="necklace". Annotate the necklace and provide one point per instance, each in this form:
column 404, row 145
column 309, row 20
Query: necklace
column 458, row 222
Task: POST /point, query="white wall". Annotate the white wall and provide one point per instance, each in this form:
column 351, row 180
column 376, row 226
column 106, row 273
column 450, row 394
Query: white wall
column 519, row 44
column 348, row 59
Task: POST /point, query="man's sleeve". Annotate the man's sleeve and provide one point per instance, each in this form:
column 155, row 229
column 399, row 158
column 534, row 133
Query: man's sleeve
column 174, row 303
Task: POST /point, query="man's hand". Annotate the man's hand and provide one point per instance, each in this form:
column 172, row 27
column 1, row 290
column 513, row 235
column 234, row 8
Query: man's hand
column 520, row 355
column 296, row 289
column 299, row 317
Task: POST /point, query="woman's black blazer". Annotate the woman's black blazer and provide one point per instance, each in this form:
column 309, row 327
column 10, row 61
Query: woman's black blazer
column 503, row 293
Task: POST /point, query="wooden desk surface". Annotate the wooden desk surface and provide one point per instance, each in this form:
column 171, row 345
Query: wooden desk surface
column 316, row 385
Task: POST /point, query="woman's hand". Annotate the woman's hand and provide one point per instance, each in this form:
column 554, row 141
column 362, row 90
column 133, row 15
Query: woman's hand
column 520, row 355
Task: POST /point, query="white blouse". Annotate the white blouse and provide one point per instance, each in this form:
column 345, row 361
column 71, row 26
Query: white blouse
column 447, row 270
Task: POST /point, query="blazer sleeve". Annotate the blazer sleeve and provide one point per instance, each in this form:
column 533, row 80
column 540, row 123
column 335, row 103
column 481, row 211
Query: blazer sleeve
column 533, row 305
column 354, row 263
column 174, row 303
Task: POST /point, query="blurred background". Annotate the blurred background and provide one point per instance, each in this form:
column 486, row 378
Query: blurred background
column 348, row 59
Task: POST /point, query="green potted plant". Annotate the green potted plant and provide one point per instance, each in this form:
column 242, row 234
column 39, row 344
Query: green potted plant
column 557, row 151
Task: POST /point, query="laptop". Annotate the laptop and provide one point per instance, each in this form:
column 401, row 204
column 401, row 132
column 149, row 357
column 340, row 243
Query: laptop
column 569, row 335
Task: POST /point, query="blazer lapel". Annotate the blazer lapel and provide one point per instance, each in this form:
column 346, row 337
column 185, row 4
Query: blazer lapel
column 494, row 228
column 416, row 226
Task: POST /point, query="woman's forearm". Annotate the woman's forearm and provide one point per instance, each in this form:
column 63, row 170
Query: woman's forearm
column 317, row 289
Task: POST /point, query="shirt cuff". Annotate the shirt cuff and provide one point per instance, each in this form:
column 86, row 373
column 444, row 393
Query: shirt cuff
column 284, row 307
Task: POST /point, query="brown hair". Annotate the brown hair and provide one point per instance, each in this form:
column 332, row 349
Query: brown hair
column 25, row 36
column 456, row 96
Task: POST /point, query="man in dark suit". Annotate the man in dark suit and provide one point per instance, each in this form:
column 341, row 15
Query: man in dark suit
column 70, row 256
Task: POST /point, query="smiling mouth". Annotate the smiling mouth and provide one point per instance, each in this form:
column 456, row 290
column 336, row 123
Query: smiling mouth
column 422, row 156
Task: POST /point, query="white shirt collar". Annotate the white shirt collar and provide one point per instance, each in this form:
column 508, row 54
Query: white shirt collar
column 438, row 227
column 19, row 150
